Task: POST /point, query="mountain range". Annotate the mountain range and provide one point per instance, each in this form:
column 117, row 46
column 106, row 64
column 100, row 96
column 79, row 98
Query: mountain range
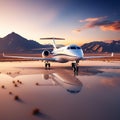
column 14, row 43
column 102, row 47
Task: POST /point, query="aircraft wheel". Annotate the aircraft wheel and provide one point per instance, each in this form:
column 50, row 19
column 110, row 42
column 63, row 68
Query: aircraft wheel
column 73, row 65
column 47, row 66
column 75, row 68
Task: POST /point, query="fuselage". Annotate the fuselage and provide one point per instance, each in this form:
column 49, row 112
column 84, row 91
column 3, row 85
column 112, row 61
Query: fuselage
column 68, row 53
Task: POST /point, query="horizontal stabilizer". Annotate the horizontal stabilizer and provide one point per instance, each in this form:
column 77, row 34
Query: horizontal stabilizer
column 52, row 38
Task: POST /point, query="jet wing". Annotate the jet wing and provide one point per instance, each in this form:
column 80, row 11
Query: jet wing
column 92, row 57
column 31, row 58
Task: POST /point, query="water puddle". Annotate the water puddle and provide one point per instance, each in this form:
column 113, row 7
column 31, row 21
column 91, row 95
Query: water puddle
column 60, row 96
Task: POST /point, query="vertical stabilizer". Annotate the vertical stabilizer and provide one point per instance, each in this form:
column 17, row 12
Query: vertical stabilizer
column 54, row 45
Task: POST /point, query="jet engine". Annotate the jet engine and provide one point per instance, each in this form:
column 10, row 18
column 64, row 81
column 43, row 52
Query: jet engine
column 45, row 53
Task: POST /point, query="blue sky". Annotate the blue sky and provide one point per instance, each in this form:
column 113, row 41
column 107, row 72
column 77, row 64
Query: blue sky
column 78, row 21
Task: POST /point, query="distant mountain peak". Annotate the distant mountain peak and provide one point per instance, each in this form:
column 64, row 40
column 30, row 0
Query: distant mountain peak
column 108, row 41
column 15, row 43
column 100, row 46
column 13, row 35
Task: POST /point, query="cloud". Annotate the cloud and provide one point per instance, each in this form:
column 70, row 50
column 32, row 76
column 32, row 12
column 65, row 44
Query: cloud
column 102, row 22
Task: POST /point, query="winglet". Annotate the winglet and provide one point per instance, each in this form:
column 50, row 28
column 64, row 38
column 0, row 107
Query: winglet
column 112, row 54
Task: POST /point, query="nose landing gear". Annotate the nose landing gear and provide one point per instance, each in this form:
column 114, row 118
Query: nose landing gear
column 47, row 65
column 75, row 68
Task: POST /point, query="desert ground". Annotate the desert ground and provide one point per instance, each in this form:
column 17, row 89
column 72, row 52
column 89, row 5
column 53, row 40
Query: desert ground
column 29, row 92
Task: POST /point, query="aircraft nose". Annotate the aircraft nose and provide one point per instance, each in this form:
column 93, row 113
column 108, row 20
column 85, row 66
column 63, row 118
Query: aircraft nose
column 79, row 55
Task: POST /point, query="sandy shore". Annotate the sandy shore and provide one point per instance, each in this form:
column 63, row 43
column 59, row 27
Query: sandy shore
column 57, row 93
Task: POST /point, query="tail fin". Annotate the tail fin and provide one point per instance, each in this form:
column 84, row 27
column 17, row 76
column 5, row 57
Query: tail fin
column 54, row 44
column 53, row 39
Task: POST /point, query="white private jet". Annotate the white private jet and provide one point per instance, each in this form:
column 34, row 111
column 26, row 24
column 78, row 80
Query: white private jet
column 63, row 54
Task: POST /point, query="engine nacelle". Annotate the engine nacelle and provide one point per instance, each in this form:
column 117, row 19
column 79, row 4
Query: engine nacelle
column 45, row 53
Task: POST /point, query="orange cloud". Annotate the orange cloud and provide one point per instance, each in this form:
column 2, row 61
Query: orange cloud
column 101, row 22
column 115, row 26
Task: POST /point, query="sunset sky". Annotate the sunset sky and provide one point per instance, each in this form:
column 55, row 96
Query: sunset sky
column 78, row 21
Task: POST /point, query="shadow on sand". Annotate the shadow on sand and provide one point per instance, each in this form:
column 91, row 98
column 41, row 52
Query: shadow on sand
column 19, row 100
column 43, row 116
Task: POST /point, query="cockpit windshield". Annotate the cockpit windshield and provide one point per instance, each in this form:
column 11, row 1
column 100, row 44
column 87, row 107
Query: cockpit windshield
column 73, row 47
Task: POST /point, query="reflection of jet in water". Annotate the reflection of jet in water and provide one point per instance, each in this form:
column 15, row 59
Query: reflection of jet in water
column 70, row 83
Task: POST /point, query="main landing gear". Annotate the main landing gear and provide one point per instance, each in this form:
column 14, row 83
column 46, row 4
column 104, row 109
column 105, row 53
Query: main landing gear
column 75, row 68
column 47, row 65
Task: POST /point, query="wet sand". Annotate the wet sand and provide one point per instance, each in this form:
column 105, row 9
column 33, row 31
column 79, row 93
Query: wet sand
column 31, row 67
column 57, row 93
